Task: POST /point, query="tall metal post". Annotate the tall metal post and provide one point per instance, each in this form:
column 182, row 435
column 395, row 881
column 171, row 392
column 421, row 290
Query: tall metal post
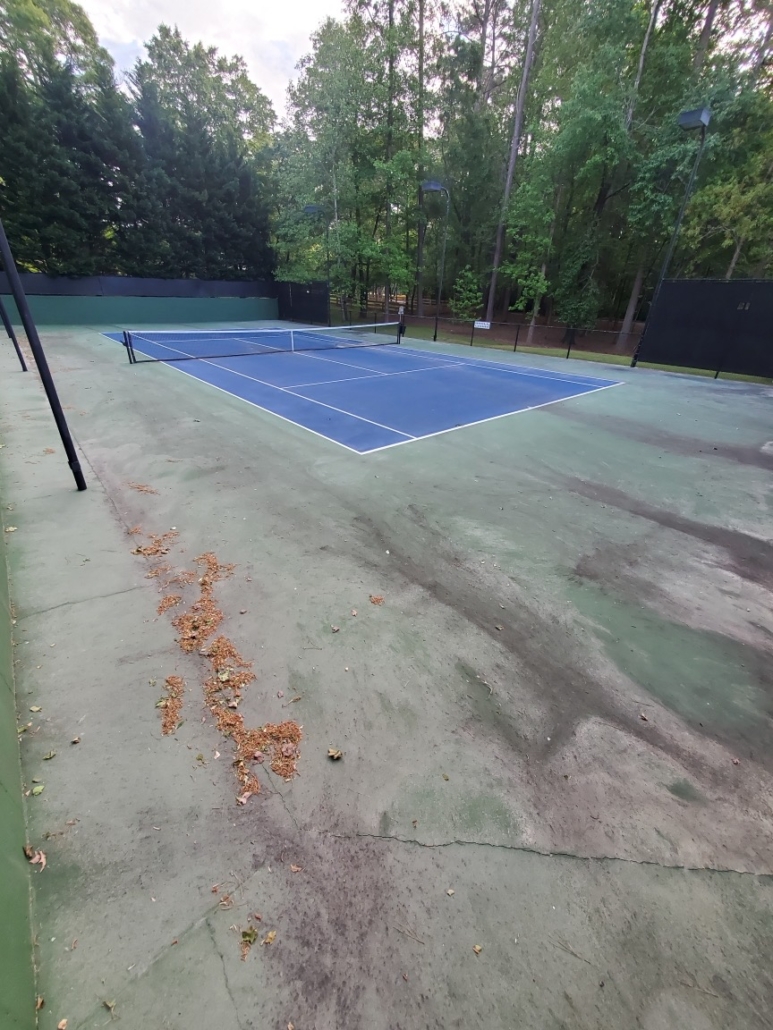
column 442, row 259
column 687, row 120
column 12, row 334
column 40, row 358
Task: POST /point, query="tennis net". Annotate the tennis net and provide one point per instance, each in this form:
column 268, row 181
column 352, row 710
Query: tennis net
column 211, row 344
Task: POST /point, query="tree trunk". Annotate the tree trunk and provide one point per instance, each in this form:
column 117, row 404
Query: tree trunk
column 516, row 141
column 762, row 53
column 640, row 68
column 537, row 301
column 390, row 126
column 734, row 259
column 422, row 226
column 703, row 42
column 630, row 311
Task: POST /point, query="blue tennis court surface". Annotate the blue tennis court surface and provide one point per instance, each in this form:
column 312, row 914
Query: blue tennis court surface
column 371, row 398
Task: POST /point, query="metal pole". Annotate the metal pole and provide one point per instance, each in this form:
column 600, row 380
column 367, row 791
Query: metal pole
column 472, row 334
column 12, row 334
column 517, row 332
column 40, row 358
column 442, row 260
column 672, row 244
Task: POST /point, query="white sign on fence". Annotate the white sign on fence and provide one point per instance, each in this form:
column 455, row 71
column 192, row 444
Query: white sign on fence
column 483, row 325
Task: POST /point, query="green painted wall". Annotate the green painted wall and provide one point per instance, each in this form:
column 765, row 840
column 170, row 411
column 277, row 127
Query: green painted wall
column 131, row 311
column 17, row 980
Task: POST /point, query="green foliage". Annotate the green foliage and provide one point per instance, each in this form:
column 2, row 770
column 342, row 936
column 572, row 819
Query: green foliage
column 185, row 174
column 466, row 297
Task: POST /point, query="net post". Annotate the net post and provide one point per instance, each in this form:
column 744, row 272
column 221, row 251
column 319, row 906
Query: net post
column 472, row 334
column 127, row 345
column 292, row 340
column 517, row 332
column 571, row 337
column 434, row 335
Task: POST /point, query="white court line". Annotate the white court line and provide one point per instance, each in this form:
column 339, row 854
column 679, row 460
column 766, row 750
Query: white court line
column 408, row 438
column 268, row 411
column 282, row 389
column 493, row 418
column 377, row 375
column 525, row 370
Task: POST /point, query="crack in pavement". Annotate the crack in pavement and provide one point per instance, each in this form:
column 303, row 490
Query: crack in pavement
column 524, row 848
column 82, row 600
column 221, row 956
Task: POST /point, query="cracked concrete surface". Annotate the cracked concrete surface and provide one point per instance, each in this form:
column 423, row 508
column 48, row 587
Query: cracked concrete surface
column 549, row 580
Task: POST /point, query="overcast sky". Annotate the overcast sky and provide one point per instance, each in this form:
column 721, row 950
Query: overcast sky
column 271, row 35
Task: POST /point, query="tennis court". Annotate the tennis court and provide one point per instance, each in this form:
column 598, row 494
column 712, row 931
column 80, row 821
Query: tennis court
column 355, row 386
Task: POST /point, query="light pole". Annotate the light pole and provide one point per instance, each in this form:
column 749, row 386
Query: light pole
column 319, row 209
column 431, row 186
column 698, row 118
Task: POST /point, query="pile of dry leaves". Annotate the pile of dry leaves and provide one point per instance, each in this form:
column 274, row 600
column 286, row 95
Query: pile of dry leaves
column 276, row 744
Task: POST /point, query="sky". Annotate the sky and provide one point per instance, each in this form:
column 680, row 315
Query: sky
column 271, row 35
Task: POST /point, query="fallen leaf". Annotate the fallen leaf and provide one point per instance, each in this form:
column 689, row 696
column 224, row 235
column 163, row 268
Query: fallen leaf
column 199, row 757
column 376, row 599
column 291, row 1026
column 242, row 611
column 405, row 977
column 36, row 708
column 280, row 693
column 10, row 529
column 244, row 798
column 477, row 949
column 37, row 857
column 257, row 917
column 38, row 789
column 250, row 935
column 175, row 941
column 446, row 776
column 75, row 740
column 414, row 822
column 736, row 761
column 296, row 868
column 335, row 629
column 450, row 892
column 49, row 756
column 74, row 944
column 61, row 1025
column 259, row 757
column 269, row 938
column 499, row 628
column 109, row 1005
column 354, row 611
column 643, row 717
column 215, row 888
column 217, row 754
column 335, row 753
column 39, row 1002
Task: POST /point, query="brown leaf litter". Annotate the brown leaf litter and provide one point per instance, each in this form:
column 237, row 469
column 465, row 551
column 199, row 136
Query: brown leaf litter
column 159, row 545
column 142, row 488
column 171, row 705
column 277, row 743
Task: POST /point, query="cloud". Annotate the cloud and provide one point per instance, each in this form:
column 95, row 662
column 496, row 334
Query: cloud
column 271, row 35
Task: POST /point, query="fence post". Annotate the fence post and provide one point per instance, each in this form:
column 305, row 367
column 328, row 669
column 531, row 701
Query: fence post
column 434, row 335
column 571, row 340
column 472, row 334
column 517, row 331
